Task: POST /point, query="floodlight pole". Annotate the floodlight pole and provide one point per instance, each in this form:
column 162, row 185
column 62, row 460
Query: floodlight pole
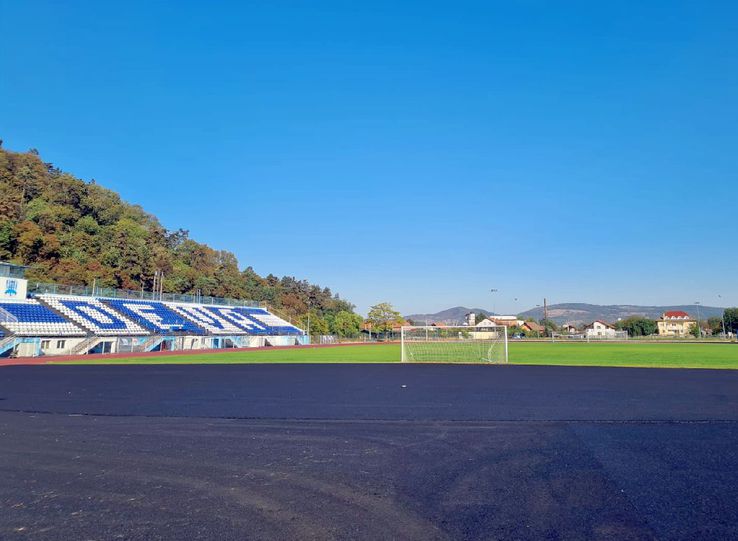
column 725, row 334
column 308, row 329
column 493, row 291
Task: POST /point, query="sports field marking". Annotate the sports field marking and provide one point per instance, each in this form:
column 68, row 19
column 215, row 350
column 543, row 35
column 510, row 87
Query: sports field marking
column 718, row 356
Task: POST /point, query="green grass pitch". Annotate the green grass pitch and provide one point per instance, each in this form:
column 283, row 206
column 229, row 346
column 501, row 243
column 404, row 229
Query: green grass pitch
column 634, row 354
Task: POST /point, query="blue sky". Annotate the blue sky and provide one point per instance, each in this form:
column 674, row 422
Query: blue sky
column 416, row 152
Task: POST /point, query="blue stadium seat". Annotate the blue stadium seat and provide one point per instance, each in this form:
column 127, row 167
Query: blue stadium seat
column 93, row 315
column 153, row 315
column 275, row 326
column 212, row 322
column 230, row 320
column 30, row 318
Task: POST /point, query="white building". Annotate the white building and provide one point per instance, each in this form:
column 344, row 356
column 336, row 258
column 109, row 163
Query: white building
column 600, row 329
column 568, row 328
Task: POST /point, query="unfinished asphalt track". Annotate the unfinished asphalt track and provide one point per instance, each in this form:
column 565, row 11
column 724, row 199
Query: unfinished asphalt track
column 367, row 452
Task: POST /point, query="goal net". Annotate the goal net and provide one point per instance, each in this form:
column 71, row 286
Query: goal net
column 581, row 337
column 590, row 337
column 454, row 344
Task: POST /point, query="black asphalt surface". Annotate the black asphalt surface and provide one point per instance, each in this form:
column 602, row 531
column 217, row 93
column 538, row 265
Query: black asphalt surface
column 367, row 452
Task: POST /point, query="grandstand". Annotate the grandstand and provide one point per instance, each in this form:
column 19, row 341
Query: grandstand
column 93, row 315
column 30, row 318
column 154, row 316
column 46, row 323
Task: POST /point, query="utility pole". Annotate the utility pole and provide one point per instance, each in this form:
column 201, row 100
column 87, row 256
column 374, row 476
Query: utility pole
column 545, row 316
column 725, row 334
column 699, row 328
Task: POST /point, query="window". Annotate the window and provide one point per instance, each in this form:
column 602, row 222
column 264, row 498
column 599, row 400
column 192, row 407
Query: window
column 60, row 344
column 45, row 344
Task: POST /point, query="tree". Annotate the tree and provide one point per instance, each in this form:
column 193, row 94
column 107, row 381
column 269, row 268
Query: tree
column 7, row 240
column 318, row 324
column 516, row 331
column 346, row 324
column 694, row 330
column 638, row 326
column 731, row 320
column 382, row 317
column 715, row 325
column 550, row 326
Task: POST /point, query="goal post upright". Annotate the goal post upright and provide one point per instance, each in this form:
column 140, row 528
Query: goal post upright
column 506, row 352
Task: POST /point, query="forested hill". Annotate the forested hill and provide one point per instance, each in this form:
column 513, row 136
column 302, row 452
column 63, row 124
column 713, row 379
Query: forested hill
column 70, row 232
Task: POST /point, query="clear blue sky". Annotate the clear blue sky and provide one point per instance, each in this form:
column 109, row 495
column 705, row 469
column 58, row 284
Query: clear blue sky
column 415, row 152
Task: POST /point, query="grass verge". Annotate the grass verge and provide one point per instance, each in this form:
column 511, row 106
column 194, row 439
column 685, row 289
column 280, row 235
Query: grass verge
column 633, row 354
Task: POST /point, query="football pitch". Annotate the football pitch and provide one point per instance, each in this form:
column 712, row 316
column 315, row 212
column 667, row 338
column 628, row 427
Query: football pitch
column 631, row 354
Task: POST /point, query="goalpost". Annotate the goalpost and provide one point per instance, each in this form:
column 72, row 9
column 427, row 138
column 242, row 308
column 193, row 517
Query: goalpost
column 454, row 344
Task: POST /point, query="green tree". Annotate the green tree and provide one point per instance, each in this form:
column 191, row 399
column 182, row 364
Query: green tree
column 7, row 240
column 382, row 317
column 714, row 325
column 318, row 324
column 345, row 323
column 638, row 326
column 550, row 326
column 515, row 330
column 731, row 320
column 694, row 330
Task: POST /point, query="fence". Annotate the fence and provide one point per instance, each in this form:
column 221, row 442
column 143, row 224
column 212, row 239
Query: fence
column 85, row 291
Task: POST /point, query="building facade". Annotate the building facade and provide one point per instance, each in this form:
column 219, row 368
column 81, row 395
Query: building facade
column 676, row 323
column 600, row 329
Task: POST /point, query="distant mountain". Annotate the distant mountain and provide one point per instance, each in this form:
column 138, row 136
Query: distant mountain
column 575, row 313
column 451, row 316
column 578, row 313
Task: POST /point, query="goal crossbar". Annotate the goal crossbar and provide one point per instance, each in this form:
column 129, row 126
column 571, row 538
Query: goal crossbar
column 464, row 344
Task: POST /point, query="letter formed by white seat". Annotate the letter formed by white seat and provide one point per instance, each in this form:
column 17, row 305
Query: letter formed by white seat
column 93, row 315
column 206, row 319
column 239, row 319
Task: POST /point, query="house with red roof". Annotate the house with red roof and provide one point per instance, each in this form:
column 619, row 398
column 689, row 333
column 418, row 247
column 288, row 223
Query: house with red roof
column 676, row 323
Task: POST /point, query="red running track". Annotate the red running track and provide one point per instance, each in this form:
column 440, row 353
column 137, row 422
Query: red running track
column 67, row 358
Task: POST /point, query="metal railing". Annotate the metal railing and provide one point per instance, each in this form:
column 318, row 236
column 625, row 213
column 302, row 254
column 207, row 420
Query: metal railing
column 7, row 317
column 5, row 342
column 38, row 288
column 86, row 345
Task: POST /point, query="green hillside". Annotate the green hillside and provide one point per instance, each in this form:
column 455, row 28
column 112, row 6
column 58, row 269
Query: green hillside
column 73, row 232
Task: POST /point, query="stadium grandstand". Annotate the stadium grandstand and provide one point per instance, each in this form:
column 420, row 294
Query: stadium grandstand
column 58, row 320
